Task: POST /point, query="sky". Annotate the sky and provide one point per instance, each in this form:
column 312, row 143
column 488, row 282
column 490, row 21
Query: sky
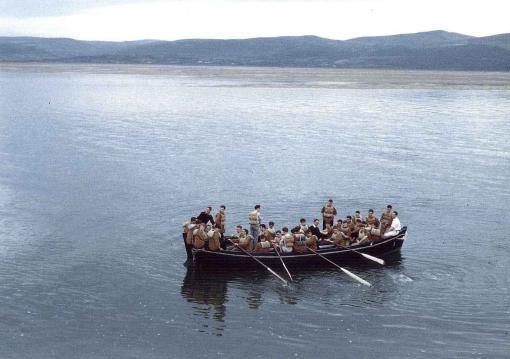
column 121, row 20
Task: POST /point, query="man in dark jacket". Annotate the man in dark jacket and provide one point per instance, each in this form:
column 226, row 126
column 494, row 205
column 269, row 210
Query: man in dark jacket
column 206, row 216
column 314, row 228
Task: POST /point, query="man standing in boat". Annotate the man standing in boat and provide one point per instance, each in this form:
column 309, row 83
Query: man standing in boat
column 328, row 214
column 205, row 217
column 255, row 219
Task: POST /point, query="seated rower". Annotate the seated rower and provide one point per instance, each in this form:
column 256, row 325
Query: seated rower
column 339, row 239
column 363, row 236
column 299, row 240
column 264, row 246
column 327, row 232
column 214, row 241
column 395, row 226
column 287, row 241
column 338, row 224
column 346, row 232
column 302, row 225
column 357, row 215
column 263, row 229
column 199, row 236
column 371, row 219
column 311, row 240
column 246, row 241
column 270, row 232
column 357, row 226
column 238, row 234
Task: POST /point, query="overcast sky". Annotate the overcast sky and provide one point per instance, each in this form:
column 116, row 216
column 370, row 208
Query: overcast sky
column 174, row 19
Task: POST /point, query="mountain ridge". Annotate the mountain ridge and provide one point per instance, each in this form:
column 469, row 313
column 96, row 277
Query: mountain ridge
column 434, row 50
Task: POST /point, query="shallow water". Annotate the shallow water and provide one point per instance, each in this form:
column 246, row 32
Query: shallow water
column 100, row 165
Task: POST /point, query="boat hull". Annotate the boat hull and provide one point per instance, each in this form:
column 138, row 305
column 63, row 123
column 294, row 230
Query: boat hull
column 227, row 259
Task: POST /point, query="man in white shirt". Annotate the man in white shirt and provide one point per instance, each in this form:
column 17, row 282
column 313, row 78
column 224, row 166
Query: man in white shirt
column 395, row 226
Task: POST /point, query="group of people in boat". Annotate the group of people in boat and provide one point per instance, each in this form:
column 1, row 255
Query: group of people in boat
column 207, row 232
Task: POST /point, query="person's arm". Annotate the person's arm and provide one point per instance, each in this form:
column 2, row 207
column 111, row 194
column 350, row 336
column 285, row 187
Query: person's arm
column 322, row 210
column 334, row 211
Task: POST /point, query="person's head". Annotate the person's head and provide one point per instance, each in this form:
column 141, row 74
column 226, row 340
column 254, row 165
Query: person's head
column 316, row 221
column 335, row 230
column 271, row 224
column 208, row 227
column 302, row 221
column 257, row 207
column 349, row 218
column 208, row 210
column 239, row 228
column 389, row 207
column 339, row 221
column 246, row 232
column 278, row 233
column 222, row 208
column 330, row 202
column 357, row 213
column 370, row 211
column 285, row 230
column 394, row 214
column 263, row 226
column 193, row 219
column 294, row 230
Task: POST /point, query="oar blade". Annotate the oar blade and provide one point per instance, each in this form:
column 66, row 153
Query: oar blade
column 372, row 258
column 355, row 277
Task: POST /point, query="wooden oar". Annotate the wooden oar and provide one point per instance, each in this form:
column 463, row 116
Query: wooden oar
column 260, row 262
column 350, row 274
column 279, row 256
column 367, row 256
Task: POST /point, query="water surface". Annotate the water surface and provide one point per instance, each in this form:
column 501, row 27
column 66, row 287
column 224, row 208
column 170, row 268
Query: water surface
column 100, row 165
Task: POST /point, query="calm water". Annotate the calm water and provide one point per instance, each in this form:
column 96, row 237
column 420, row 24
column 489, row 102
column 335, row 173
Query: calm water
column 99, row 166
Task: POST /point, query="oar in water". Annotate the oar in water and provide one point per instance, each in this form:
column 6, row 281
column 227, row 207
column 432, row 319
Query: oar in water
column 279, row 256
column 367, row 256
column 259, row 261
column 350, row 274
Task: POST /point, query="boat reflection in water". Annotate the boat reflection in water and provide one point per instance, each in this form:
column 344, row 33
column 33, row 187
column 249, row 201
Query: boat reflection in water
column 209, row 290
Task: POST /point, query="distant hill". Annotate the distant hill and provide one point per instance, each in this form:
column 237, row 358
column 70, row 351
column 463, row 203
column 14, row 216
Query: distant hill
column 434, row 50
